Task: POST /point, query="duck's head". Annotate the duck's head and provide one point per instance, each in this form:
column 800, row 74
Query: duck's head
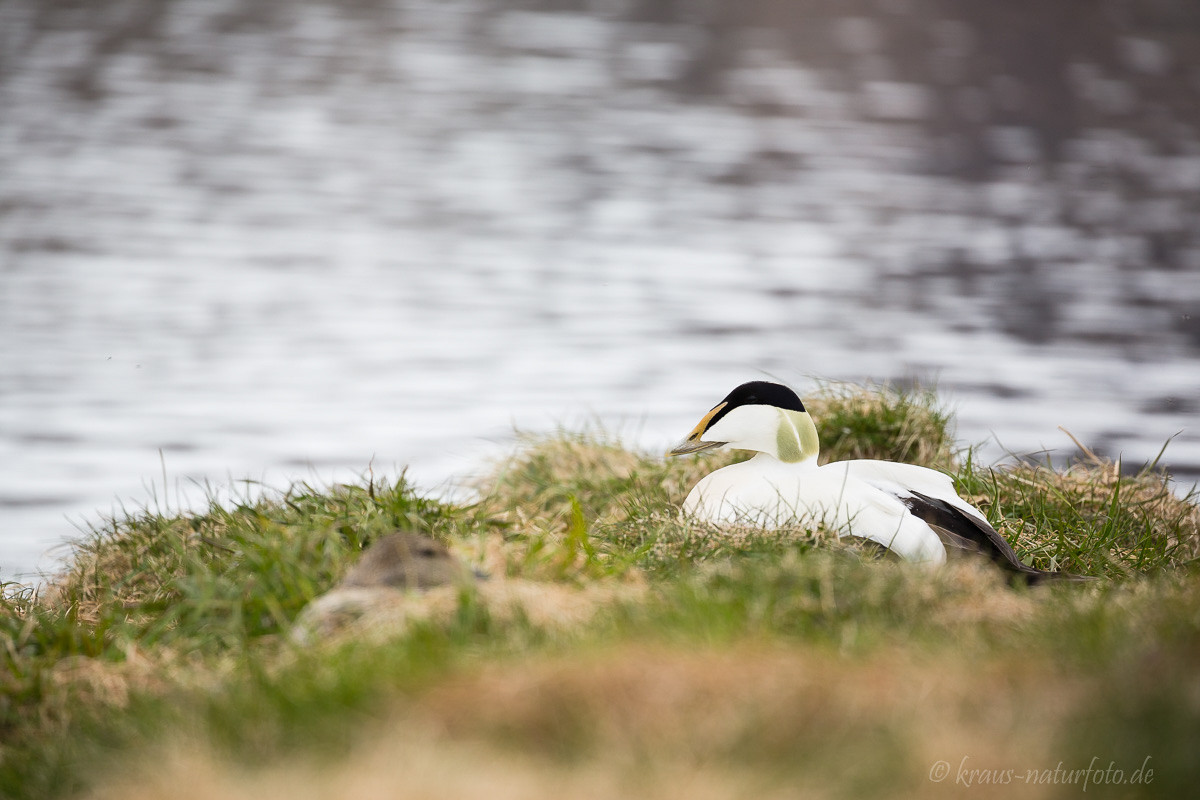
column 759, row 415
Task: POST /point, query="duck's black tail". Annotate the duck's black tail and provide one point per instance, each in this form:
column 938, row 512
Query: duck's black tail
column 1032, row 576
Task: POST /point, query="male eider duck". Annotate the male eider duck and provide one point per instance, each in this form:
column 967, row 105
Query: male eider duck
column 912, row 511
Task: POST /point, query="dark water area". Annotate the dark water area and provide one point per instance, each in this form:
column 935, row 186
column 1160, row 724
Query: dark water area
column 285, row 240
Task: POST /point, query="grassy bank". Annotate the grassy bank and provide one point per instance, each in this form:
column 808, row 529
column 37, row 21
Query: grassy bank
column 616, row 650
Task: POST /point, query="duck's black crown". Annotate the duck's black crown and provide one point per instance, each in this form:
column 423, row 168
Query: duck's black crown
column 761, row 393
column 764, row 393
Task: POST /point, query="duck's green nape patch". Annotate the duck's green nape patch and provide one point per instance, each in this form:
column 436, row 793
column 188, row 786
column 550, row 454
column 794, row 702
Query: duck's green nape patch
column 179, row 623
column 796, row 438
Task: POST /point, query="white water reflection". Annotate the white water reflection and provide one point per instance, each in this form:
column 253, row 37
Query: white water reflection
column 304, row 248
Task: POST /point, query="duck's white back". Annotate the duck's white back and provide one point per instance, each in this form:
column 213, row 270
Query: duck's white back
column 900, row 480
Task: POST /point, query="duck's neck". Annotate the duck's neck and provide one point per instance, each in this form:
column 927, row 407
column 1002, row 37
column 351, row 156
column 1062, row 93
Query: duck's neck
column 796, row 440
column 768, row 463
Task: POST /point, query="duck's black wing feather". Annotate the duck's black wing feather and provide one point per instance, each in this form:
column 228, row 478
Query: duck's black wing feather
column 961, row 531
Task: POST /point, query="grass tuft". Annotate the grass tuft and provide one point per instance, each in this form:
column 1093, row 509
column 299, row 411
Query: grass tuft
column 884, row 422
column 1088, row 518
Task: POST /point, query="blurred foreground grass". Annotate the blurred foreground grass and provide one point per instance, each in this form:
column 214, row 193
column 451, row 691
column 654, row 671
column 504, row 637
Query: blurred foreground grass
column 647, row 656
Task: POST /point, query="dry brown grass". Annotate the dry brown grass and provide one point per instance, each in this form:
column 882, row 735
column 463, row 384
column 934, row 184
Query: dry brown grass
column 102, row 565
column 652, row 722
column 418, row 764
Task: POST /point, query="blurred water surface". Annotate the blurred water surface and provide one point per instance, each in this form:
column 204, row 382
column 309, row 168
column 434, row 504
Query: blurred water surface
column 286, row 241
